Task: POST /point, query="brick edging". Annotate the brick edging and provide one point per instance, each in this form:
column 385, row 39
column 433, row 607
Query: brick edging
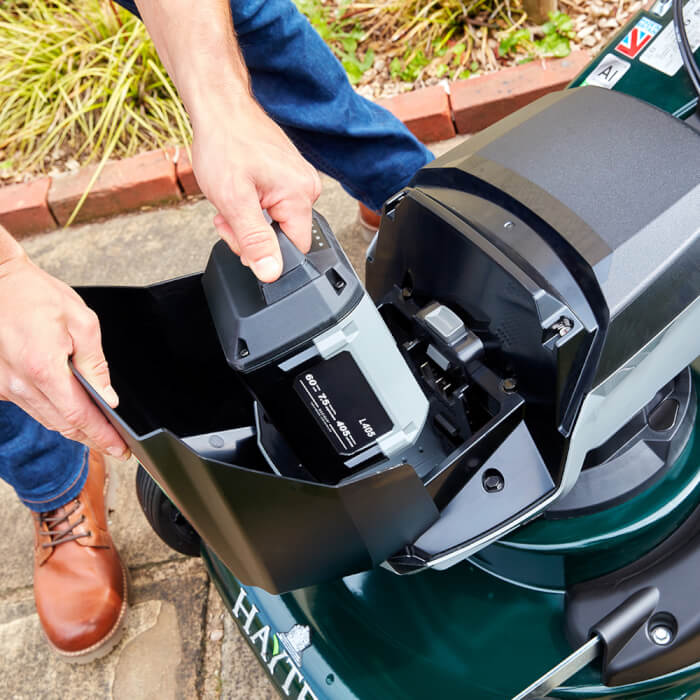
column 165, row 176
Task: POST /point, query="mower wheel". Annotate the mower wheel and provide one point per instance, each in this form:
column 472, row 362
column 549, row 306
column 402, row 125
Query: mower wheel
column 168, row 522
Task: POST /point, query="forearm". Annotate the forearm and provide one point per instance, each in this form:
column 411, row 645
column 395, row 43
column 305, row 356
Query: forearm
column 197, row 44
column 242, row 160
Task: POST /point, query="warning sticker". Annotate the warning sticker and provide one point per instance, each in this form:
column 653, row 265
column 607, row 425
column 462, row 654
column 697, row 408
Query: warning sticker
column 638, row 37
column 661, row 7
column 607, row 72
column 663, row 53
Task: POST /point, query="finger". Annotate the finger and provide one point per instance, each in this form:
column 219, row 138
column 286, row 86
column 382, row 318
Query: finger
column 33, row 402
column 256, row 239
column 294, row 218
column 87, row 355
column 79, row 415
column 226, row 233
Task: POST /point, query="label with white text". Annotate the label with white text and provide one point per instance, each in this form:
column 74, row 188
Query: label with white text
column 343, row 403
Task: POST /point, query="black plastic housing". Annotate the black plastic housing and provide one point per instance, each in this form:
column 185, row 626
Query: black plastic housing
column 559, row 271
column 669, row 576
column 556, row 212
column 259, row 323
column 273, row 531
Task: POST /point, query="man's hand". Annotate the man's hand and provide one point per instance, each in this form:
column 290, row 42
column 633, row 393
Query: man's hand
column 43, row 323
column 243, row 161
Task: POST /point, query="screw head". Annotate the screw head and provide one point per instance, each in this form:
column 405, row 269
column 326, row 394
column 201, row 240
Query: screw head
column 508, row 224
column 562, row 326
column 493, row 481
column 216, row 441
column 509, row 385
column 661, row 635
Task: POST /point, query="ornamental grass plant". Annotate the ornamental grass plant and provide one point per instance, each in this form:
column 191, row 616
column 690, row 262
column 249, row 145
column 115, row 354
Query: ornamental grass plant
column 80, row 82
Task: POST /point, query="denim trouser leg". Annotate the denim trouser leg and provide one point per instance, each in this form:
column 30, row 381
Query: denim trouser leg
column 303, row 87
column 45, row 469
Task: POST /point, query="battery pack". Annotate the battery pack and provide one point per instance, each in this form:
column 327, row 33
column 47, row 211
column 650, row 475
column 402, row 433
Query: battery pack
column 319, row 360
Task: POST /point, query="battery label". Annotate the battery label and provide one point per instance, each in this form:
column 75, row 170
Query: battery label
column 663, row 54
column 343, row 403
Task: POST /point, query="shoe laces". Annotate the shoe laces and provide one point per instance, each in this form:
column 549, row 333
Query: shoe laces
column 54, row 519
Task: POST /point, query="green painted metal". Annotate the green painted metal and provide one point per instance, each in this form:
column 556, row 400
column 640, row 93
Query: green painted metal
column 673, row 94
column 461, row 632
column 559, row 553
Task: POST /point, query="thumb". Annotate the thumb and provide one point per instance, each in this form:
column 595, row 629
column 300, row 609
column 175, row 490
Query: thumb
column 253, row 236
column 88, row 357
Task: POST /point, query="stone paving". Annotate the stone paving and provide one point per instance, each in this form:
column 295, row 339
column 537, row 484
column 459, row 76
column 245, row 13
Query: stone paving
column 180, row 641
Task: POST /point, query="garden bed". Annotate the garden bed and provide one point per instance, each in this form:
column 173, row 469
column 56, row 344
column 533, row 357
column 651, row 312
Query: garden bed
column 80, row 81
column 390, row 47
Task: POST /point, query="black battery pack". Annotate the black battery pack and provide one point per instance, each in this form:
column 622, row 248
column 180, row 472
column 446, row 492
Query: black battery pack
column 318, row 359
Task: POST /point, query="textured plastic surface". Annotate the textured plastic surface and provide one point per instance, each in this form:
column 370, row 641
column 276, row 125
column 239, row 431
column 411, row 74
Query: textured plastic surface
column 297, row 270
column 632, row 244
column 639, row 454
column 671, row 571
column 525, row 481
column 257, row 325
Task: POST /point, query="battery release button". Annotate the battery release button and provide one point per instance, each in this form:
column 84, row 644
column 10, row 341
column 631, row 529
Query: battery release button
column 443, row 321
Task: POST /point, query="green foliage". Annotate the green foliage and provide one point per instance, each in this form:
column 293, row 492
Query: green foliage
column 341, row 33
column 448, row 62
column 80, row 77
column 409, row 67
column 557, row 33
column 513, row 40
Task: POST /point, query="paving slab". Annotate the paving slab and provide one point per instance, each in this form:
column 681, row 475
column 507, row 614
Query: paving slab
column 132, row 534
column 179, row 640
column 158, row 656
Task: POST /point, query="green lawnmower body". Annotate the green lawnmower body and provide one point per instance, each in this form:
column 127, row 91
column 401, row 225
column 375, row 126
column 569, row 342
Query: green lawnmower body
column 464, row 632
column 487, row 627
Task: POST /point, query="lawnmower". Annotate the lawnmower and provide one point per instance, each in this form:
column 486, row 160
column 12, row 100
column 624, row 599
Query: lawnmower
column 479, row 475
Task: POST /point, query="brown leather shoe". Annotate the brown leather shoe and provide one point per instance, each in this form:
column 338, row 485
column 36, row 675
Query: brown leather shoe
column 79, row 581
column 369, row 218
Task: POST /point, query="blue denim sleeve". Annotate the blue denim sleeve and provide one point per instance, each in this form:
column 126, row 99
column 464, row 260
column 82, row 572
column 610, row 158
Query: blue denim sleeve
column 129, row 5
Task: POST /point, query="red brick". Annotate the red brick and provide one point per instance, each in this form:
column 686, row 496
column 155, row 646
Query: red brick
column 146, row 179
column 185, row 175
column 24, row 207
column 426, row 112
column 479, row 102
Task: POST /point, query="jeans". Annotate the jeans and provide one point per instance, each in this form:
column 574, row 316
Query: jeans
column 303, row 87
column 45, row 469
